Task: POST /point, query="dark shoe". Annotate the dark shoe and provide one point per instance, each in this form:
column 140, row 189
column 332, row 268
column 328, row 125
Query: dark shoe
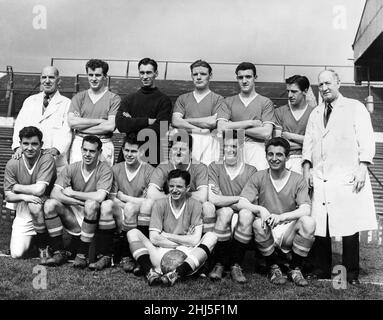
column 102, row 263
column 127, row 264
column 137, row 271
column 58, row 258
column 276, row 275
column 317, row 274
column 170, row 278
column 217, row 272
column 297, row 277
column 154, row 278
column 236, row 274
column 80, row 261
column 44, row 255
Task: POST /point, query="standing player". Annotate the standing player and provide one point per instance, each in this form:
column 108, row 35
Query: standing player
column 291, row 119
column 279, row 198
column 75, row 203
column 198, row 113
column 129, row 204
column 93, row 112
column 180, row 158
column 27, row 182
column 175, row 224
column 226, row 182
column 253, row 113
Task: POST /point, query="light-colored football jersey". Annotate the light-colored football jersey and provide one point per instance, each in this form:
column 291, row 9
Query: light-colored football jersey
column 164, row 219
column 219, row 177
column 72, row 176
column 135, row 187
column 261, row 191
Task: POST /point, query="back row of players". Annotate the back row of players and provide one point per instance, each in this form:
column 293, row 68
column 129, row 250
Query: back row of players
column 276, row 197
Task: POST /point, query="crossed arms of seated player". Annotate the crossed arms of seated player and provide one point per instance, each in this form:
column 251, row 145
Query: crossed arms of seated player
column 31, row 193
column 121, row 199
column 295, row 140
column 253, row 128
column 201, row 125
column 68, row 196
column 91, row 126
column 155, row 193
column 170, row 240
column 272, row 219
column 219, row 200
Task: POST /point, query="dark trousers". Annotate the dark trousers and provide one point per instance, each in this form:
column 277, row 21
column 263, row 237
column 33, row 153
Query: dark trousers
column 321, row 255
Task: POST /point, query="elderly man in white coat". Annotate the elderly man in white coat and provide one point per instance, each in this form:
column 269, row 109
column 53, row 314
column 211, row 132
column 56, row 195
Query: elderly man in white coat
column 338, row 146
column 48, row 111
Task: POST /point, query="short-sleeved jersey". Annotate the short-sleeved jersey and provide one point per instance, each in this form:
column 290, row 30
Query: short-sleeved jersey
column 107, row 105
column 72, row 176
column 198, row 174
column 163, row 217
column 261, row 108
column 43, row 171
column 261, row 191
column 213, row 103
column 137, row 186
column 286, row 121
column 219, row 177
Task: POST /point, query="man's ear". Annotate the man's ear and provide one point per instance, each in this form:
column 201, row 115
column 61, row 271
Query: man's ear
column 156, row 74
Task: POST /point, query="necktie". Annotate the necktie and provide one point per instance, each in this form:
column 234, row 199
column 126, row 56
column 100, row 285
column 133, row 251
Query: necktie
column 45, row 102
column 327, row 114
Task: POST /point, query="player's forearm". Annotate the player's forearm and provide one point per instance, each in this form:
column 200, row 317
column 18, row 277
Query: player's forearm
column 13, row 197
column 126, row 198
column 181, row 123
column 303, row 210
column 294, row 137
column 222, row 201
column 238, row 124
column 155, row 194
column 102, row 128
column 36, row 189
column 189, row 240
column 79, row 123
column 204, row 123
column 58, row 195
column 245, row 204
column 160, row 241
column 98, row 196
column 263, row 133
column 200, row 195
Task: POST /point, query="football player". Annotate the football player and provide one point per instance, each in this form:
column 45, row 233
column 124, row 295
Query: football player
column 279, row 199
column 75, row 203
column 175, row 224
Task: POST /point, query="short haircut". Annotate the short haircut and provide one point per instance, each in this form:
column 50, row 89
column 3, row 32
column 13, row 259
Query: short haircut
column 131, row 138
column 178, row 138
column 301, row 81
column 97, row 63
column 92, row 139
column 29, row 132
column 177, row 173
column 278, row 141
column 146, row 61
column 200, row 63
column 334, row 74
column 246, row 66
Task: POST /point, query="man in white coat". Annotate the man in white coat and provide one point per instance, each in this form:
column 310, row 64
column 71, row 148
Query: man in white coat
column 338, row 146
column 47, row 111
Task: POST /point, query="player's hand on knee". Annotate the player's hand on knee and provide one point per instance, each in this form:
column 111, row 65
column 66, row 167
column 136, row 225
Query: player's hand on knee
column 264, row 215
column 274, row 220
column 32, row 199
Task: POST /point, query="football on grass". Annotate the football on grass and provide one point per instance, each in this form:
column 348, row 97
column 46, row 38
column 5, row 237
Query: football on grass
column 171, row 260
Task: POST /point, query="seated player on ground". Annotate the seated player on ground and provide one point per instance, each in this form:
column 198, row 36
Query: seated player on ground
column 129, row 205
column 279, row 198
column 75, row 203
column 180, row 157
column 226, row 182
column 27, row 183
column 175, row 224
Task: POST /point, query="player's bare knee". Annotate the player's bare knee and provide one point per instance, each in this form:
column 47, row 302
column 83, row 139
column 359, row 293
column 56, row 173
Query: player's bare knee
column 224, row 215
column 107, row 207
column 35, row 208
column 133, row 235
column 209, row 239
column 245, row 218
column 91, row 209
column 208, row 210
column 147, row 205
column 259, row 232
column 50, row 207
column 307, row 225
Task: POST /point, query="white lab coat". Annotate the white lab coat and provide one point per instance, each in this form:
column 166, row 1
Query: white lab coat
column 53, row 123
column 335, row 153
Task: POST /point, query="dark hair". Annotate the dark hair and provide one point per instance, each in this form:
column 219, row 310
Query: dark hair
column 97, row 63
column 301, row 81
column 200, row 63
column 29, row 132
column 246, row 66
column 146, row 61
column 93, row 139
column 178, row 137
column 279, row 141
column 177, row 173
column 131, row 138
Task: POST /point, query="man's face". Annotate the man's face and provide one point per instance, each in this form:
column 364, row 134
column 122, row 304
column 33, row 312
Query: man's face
column 131, row 153
column 49, row 80
column 147, row 75
column 328, row 86
column 276, row 157
column 177, row 188
column 230, row 150
column 89, row 152
column 96, row 79
column 201, row 77
column 31, row 147
column 295, row 95
column 246, row 80
column 179, row 153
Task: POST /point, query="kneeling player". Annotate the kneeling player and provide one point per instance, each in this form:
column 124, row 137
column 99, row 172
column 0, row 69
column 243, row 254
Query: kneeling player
column 226, row 182
column 279, row 197
column 175, row 224
column 75, row 203
column 27, row 182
